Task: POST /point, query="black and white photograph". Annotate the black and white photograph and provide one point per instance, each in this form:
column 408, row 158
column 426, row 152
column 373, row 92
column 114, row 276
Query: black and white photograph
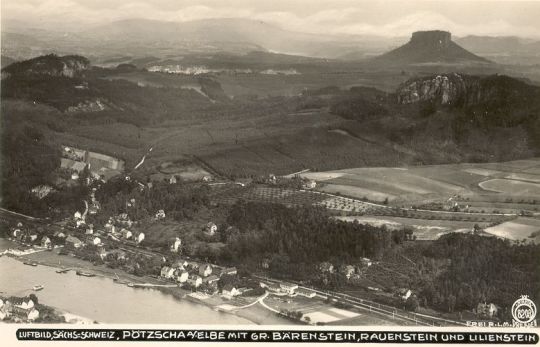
column 302, row 169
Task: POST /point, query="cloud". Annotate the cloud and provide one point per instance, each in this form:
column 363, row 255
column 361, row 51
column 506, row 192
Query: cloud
column 337, row 17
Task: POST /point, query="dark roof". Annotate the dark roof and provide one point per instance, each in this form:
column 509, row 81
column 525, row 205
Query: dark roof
column 228, row 287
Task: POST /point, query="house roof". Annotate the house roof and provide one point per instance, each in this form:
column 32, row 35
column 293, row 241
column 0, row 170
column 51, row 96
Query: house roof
column 228, row 287
column 73, row 239
column 211, row 278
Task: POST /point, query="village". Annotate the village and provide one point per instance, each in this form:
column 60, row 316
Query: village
column 121, row 245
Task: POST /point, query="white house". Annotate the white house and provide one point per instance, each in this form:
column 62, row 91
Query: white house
column 306, row 292
column 229, row 291
column 126, row 234
column 182, row 277
column 175, row 245
column 160, row 214
column 309, row 184
column 73, row 242
column 195, row 280
column 486, row 310
column 366, row 262
column 211, row 228
column 94, row 240
column 33, row 314
column 167, row 272
column 140, row 238
column 348, row 271
column 205, row 270
column 46, row 242
column 289, row 288
column 229, row 271
column 404, row 293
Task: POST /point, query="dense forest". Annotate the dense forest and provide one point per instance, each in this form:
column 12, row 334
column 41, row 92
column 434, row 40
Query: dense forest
column 304, row 235
column 177, row 200
column 480, row 269
column 28, row 159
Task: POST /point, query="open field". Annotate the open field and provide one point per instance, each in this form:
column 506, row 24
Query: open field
column 513, row 187
column 527, row 229
column 491, row 187
column 423, row 229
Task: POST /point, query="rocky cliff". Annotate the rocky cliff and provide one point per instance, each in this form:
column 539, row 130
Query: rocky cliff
column 443, row 89
column 498, row 92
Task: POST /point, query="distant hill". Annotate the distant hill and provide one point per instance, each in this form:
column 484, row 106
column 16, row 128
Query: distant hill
column 5, row 61
column 135, row 37
column 429, row 47
column 498, row 44
column 52, row 65
column 503, row 49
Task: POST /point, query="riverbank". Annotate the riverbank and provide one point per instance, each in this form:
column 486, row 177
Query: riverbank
column 255, row 315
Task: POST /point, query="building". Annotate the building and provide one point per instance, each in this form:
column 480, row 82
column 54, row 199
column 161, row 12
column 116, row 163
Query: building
column 118, row 254
column 265, row 263
column 24, row 309
column 126, row 234
column 404, row 293
column 205, row 270
column 93, row 240
column 326, row 267
column 175, row 245
column 348, row 271
column 310, row 184
column 160, row 214
column 306, row 292
column 167, row 272
column 73, row 242
column 194, row 280
column 42, row 191
column 207, row 179
column 89, row 229
column 229, row 291
column 486, row 310
column 211, row 279
column 46, row 242
column 182, row 276
column 288, row 288
column 211, row 228
column 139, row 238
column 366, row 262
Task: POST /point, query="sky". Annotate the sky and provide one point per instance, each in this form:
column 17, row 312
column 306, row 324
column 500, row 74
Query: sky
column 357, row 17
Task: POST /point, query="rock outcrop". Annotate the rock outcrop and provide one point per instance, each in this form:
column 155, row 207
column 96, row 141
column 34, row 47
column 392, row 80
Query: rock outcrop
column 429, row 47
column 51, row 65
column 443, row 89
column 466, row 90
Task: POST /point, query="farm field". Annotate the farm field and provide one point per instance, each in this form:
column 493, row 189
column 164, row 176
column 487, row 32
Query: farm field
column 527, row 229
column 185, row 169
column 482, row 183
column 512, row 187
column 423, row 229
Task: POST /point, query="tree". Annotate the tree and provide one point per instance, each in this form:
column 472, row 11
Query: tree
column 451, row 303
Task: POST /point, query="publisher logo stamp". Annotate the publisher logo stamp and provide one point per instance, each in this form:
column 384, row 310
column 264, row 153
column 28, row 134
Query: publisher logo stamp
column 524, row 312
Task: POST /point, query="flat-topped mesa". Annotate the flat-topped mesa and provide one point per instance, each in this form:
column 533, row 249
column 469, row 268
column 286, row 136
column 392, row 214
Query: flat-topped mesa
column 434, row 38
column 434, row 46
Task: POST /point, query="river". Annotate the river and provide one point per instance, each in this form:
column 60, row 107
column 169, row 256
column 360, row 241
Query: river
column 101, row 299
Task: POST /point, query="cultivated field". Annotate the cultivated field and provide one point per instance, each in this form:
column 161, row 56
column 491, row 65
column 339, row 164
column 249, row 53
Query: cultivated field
column 508, row 187
column 520, row 229
column 424, row 229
